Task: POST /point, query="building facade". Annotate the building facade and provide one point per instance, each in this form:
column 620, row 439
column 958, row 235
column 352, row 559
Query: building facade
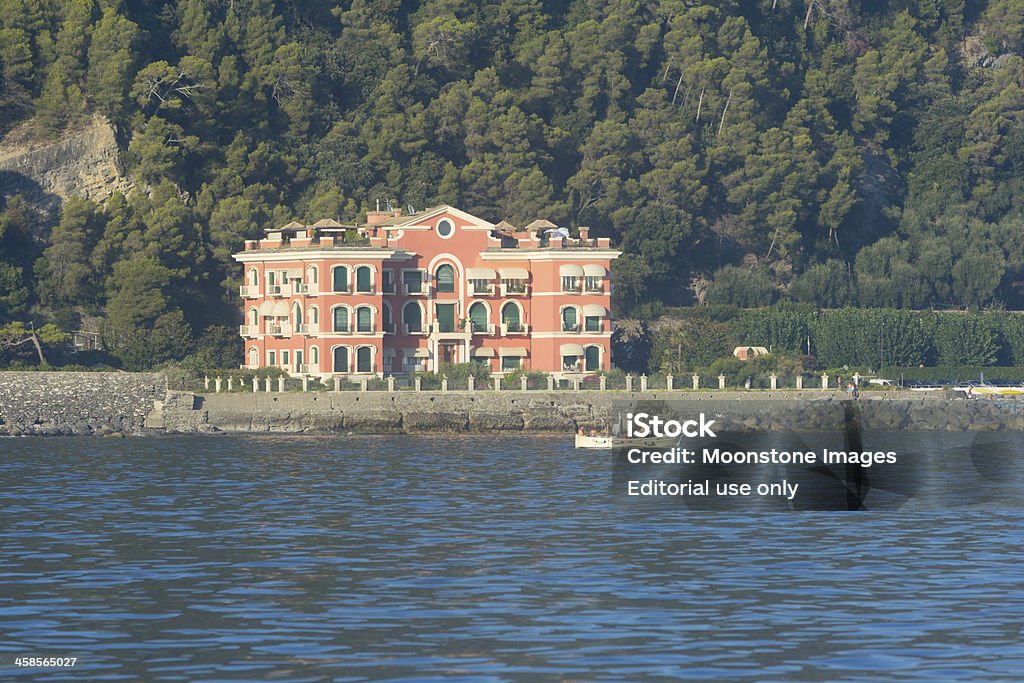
column 410, row 293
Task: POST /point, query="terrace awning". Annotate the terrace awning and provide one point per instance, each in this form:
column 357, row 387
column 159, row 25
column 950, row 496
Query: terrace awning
column 479, row 274
column 594, row 310
column 594, row 270
column 512, row 351
column 482, row 353
column 571, row 350
column 570, row 270
column 421, row 353
column 266, row 309
column 514, row 273
column 280, row 309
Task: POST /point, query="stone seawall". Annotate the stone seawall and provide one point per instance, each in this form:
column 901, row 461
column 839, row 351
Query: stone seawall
column 79, row 403
column 83, row 403
column 563, row 411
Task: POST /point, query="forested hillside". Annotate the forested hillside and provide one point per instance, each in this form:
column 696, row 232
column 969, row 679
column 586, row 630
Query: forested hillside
column 741, row 152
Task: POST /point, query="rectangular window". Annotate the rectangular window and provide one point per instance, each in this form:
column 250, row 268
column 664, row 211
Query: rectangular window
column 510, row 363
column 445, row 317
column 298, row 359
column 515, row 286
column 570, row 283
column 592, row 283
column 413, row 280
column 388, row 281
column 480, row 286
column 592, row 323
column 271, row 358
column 284, row 358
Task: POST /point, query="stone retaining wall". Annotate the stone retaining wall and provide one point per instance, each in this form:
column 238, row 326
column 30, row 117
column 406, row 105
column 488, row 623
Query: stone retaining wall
column 565, row 411
column 80, row 403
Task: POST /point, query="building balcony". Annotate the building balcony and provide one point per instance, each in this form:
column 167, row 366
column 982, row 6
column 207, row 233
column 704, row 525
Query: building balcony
column 309, row 368
column 598, row 289
column 485, row 290
column 420, row 290
column 279, row 290
column 282, row 330
column 515, row 289
column 309, row 328
column 570, row 329
column 418, row 330
column 307, row 289
column 514, row 329
column 249, row 330
column 483, row 330
column 372, row 289
column 366, row 329
column 249, row 292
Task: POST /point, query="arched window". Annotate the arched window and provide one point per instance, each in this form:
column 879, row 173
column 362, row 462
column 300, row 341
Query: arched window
column 340, row 359
column 592, row 358
column 341, row 319
column 364, row 359
column 254, row 357
column 254, row 317
column 510, row 318
column 364, row 279
column 254, row 277
column 341, row 279
column 412, row 316
column 386, row 318
column 569, row 321
column 296, row 315
column 312, row 275
column 314, row 355
column 445, row 275
column 364, row 319
column 313, row 315
column 478, row 317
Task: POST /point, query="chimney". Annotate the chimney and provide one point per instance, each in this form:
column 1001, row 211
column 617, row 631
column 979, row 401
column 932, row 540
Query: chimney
column 378, row 217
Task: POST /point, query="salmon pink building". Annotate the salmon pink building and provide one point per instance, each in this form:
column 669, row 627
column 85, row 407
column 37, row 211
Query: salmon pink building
column 411, row 293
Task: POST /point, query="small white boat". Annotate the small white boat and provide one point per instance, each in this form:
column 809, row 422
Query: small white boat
column 584, row 441
column 991, row 390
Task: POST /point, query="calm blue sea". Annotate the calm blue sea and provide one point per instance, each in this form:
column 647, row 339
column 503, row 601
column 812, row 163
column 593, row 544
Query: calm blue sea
column 288, row 558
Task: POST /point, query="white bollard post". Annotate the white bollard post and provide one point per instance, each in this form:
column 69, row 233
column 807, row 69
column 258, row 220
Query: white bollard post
column 280, row 384
column 575, row 383
column 337, row 384
column 696, row 380
column 551, row 383
column 305, row 383
column 444, row 383
column 670, row 382
column 799, row 381
column 497, row 382
column 391, row 382
column 721, row 381
column 266, row 385
column 216, row 385
column 362, row 384
column 206, row 383
column 523, row 383
column 231, row 383
column 824, row 380
column 773, row 381
column 643, row 382
column 471, row 383
column 604, row 383
column 419, row 383
column 255, row 385
column 629, row 382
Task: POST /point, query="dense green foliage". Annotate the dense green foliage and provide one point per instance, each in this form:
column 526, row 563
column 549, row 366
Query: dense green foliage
column 833, row 153
column 853, row 337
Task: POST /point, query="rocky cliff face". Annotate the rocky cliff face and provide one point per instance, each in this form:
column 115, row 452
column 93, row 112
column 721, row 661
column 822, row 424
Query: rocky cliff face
column 83, row 163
